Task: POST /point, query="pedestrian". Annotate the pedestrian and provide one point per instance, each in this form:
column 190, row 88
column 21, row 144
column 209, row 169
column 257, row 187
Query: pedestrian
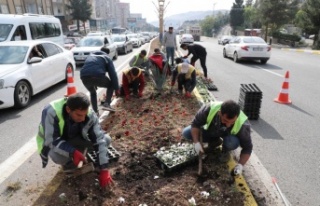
column 186, row 75
column 169, row 42
column 68, row 126
column 93, row 75
column 198, row 52
column 132, row 82
column 222, row 120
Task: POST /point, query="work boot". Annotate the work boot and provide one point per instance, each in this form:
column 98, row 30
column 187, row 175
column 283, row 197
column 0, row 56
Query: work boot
column 106, row 106
column 224, row 156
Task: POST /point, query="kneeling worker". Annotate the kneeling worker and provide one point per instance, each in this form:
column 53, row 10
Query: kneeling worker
column 68, row 127
column 132, row 81
column 186, row 75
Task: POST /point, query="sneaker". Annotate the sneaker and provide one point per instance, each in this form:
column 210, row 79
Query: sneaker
column 107, row 107
column 224, row 156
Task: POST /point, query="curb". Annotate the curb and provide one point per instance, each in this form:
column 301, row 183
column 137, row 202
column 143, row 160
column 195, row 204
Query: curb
column 240, row 181
column 302, row 50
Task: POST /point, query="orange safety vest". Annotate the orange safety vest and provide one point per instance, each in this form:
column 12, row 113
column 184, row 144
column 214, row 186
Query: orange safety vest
column 130, row 77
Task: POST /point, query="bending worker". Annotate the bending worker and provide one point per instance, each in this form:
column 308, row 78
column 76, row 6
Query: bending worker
column 222, row 120
column 68, row 126
column 132, row 82
column 186, row 75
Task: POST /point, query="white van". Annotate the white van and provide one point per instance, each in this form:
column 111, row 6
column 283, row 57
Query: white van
column 30, row 27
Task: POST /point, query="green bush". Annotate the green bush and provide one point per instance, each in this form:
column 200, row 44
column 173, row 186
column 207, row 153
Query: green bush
column 289, row 37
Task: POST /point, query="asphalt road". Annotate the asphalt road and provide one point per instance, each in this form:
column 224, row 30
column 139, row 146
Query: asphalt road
column 285, row 136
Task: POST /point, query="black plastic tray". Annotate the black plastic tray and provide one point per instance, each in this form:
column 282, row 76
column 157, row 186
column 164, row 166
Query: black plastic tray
column 112, row 153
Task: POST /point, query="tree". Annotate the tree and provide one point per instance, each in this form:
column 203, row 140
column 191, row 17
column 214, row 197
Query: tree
column 207, row 25
column 81, row 11
column 273, row 14
column 251, row 17
column 308, row 18
column 236, row 14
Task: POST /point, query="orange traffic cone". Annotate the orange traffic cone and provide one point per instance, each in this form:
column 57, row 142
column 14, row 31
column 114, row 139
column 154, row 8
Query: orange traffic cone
column 71, row 89
column 283, row 97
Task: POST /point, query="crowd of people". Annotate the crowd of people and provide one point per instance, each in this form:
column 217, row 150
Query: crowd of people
column 69, row 126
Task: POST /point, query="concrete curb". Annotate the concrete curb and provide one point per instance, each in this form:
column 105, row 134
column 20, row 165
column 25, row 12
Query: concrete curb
column 302, row 50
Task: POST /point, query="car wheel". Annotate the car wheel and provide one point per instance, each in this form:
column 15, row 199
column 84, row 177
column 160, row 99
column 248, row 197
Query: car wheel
column 224, row 53
column 235, row 57
column 22, row 94
column 66, row 79
column 263, row 61
column 125, row 50
column 115, row 56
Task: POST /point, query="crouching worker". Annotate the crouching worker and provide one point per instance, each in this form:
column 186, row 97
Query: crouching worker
column 68, row 126
column 222, row 120
column 132, row 82
column 186, row 76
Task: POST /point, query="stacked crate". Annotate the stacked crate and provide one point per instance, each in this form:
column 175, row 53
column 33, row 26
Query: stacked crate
column 250, row 100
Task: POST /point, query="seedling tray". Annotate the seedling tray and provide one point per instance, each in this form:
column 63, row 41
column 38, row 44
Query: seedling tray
column 176, row 156
column 112, row 153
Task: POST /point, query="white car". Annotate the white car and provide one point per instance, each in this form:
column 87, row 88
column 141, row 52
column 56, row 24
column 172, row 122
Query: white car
column 91, row 44
column 247, row 48
column 135, row 40
column 26, row 71
column 186, row 39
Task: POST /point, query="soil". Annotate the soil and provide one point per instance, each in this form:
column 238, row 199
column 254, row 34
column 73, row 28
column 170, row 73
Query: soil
column 139, row 128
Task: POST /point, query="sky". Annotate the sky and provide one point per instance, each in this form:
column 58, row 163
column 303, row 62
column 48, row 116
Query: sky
column 149, row 11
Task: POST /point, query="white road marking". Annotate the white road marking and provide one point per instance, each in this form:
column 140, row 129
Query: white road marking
column 280, row 75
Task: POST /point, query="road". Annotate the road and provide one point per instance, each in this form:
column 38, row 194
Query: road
column 285, row 136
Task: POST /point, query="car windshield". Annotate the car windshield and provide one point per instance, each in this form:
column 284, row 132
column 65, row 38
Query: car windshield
column 12, row 54
column 253, row 40
column 91, row 42
column 5, row 31
column 119, row 38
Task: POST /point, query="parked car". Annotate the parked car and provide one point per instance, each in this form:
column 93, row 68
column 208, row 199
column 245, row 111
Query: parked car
column 91, row 44
column 96, row 33
column 186, row 38
column 70, row 42
column 247, row 48
column 124, row 45
column 224, row 39
column 135, row 40
column 29, row 67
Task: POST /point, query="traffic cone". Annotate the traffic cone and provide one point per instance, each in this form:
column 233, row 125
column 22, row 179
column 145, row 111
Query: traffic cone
column 283, row 97
column 71, row 89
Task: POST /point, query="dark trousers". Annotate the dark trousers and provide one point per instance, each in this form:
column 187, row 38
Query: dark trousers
column 133, row 87
column 202, row 62
column 91, row 83
column 188, row 84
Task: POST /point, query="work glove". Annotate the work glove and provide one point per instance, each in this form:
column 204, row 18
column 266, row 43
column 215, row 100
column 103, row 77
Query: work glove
column 188, row 95
column 140, row 94
column 105, row 178
column 172, row 83
column 78, row 157
column 198, row 148
column 237, row 170
column 127, row 97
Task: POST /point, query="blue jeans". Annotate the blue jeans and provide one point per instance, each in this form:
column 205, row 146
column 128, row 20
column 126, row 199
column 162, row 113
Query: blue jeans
column 91, row 83
column 170, row 54
column 230, row 142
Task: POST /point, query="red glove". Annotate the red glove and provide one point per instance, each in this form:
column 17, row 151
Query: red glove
column 172, row 83
column 77, row 157
column 105, row 178
column 127, row 97
column 140, row 94
column 188, row 95
column 117, row 92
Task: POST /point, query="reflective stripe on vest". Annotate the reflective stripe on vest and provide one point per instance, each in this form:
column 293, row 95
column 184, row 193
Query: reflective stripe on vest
column 215, row 107
column 130, row 77
column 183, row 66
column 137, row 57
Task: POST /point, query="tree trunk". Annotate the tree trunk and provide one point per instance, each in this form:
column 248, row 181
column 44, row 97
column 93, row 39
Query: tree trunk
column 78, row 25
column 266, row 32
column 317, row 41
